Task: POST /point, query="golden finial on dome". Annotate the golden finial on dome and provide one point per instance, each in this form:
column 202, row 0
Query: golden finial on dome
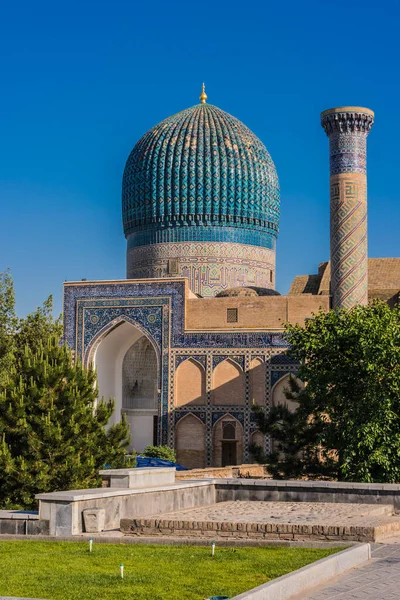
column 203, row 95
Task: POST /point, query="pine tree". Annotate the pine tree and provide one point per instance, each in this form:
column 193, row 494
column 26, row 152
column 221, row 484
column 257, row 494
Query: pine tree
column 36, row 328
column 8, row 325
column 53, row 433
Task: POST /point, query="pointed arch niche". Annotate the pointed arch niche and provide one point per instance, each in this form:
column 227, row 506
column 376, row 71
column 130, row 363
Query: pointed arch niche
column 227, row 448
column 258, row 439
column 190, row 384
column 228, row 385
column 190, row 442
column 114, row 358
column 278, row 392
column 257, row 382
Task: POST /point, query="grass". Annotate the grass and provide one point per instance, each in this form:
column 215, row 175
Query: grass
column 67, row 571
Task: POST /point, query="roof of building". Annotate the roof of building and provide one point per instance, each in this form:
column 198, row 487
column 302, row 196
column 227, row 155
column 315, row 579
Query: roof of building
column 383, row 280
column 201, row 168
column 243, row 292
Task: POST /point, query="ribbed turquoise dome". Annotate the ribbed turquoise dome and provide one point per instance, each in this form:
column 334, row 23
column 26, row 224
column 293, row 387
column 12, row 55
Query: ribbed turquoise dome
column 200, row 175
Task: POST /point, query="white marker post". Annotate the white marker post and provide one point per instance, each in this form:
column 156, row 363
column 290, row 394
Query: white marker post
column 121, row 570
column 90, row 544
column 212, row 548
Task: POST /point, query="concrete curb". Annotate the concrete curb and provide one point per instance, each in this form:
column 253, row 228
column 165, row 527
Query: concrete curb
column 306, row 578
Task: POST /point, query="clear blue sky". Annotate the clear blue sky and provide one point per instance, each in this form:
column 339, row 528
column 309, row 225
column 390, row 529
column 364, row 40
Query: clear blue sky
column 81, row 82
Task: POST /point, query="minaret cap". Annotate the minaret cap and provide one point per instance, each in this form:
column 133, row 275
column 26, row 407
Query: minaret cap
column 203, row 95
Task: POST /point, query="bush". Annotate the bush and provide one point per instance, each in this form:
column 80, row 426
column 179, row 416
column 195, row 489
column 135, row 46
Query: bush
column 164, row 452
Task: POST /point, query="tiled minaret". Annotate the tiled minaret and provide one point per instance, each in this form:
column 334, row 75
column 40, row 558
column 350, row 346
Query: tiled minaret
column 347, row 128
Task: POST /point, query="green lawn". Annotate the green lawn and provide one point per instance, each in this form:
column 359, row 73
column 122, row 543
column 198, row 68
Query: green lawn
column 67, row 571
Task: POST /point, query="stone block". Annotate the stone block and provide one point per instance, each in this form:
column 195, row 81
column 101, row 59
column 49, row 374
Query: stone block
column 94, row 519
column 39, row 527
column 138, row 478
column 126, row 524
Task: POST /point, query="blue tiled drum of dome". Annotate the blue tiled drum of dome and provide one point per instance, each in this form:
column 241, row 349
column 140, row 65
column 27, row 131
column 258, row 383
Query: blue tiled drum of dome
column 201, row 176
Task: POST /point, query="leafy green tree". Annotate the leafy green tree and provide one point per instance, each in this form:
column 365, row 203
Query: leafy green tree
column 164, row 452
column 347, row 424
column 295, row 439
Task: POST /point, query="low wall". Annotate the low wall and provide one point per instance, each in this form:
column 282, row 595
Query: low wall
column 273, row 490
column 64, row 510
column 252, row 470
column 20, row 522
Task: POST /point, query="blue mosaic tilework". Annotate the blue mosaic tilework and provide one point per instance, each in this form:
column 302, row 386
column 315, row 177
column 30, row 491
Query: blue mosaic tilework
column 229, row 340
column 122, row 294
column 157, row 309
column 282, row 359
column 239, row 416
column 97, row 317
column 180, row 414
column 210, row 233
column 220, row 358
column 253, row 421
column 200, row 167
column 200, row 358
column 348, row 153
column 277, row 375
column 347, row 131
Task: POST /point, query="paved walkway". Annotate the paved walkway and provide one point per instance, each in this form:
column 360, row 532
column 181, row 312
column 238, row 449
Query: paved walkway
column 318, row 513
column 378, row 580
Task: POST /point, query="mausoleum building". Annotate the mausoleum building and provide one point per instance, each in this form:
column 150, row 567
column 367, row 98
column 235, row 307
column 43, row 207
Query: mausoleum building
column 193, row 337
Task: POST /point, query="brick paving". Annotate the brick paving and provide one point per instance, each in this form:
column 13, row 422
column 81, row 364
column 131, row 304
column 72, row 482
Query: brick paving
column 377, row 580
column 272, row 520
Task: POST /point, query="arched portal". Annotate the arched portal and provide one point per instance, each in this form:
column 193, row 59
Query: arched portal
column 127, row 370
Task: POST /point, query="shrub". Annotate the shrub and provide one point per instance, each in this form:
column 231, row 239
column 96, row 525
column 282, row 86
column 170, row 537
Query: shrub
column 164, row 452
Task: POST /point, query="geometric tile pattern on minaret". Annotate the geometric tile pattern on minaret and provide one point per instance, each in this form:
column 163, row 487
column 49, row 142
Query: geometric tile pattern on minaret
column 347, row 128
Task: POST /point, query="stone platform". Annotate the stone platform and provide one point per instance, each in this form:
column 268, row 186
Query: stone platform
column 272, row 520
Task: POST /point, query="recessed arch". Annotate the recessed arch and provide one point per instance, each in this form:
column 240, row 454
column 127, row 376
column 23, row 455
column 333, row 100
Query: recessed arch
column 107, row 352
column 190, row 383
column 228, row 383
column 139, row 376
column 257, row 376
column 190, row 442
column 278, row 392
column 257, row 438
column 108, row 329
column 226, row 449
